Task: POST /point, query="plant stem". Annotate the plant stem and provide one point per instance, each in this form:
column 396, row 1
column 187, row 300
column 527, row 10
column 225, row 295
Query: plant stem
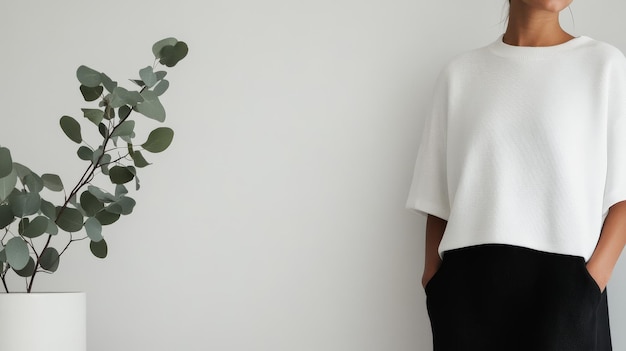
column 84, row 180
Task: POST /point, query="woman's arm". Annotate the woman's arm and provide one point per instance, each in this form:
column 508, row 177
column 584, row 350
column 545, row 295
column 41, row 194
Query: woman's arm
column 435, row 227
column 610, row 245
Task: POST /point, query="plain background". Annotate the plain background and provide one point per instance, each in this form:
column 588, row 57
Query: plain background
column 276, row 220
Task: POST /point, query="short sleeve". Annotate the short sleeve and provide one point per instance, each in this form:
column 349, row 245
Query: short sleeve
column 429, row 190
column 615, row 186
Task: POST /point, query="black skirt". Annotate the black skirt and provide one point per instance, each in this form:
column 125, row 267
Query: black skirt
column 506, row 298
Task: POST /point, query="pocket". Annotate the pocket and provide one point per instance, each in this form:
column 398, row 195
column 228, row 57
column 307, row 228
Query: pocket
column 590, row 280
column 433, row 280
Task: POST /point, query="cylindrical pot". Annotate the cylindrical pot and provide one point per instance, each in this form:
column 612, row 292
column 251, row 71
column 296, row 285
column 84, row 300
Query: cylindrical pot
column 43, row 322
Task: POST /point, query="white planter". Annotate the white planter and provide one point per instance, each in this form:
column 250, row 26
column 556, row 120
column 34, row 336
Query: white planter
column 43, row 322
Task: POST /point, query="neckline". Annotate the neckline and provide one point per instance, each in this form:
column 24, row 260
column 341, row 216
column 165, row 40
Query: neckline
column 501, row 48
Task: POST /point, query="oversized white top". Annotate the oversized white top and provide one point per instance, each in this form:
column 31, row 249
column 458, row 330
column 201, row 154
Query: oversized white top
column 525, row 146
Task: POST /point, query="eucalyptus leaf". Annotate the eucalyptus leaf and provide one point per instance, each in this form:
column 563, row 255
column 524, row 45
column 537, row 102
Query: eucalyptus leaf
column 88, row 77
column 109, row 113
column 160, row 74
column 3, row 258
column 52, row 228
column 161, row 88
column 6, row 162
column 22, row 171
column 125, row 128
column 48, row 210
column 101, row 194
column 104, row 131
column 108, row 83
column 93, row 114
column 6, row 216
column 151, row 107
column 25, row 204
column 70, row 220
column 33, row 182
column 99, row 248
column 159, row 140
column 90, row 204
column 71, row 128
column 7, row 184
column 28, row 270
column 93, row 229
column 139, row 160
column 107, row 218
column 52, row 182
column 159, row 45
column 127, row 205
column 120, row 175
column 171, row 55
column 121, row 97
column 124, row 111
column 147, row 76
column 138, row 82
column 95, row 158
column 120, row 190
column 85, row 153
column 17, row 253
column 36, row 227
column 49, row 259
column 91, row 93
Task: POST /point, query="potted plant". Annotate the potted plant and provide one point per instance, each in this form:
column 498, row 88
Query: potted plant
column 40, row 218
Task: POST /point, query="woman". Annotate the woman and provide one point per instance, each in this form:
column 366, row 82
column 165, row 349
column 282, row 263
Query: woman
column 522, row 172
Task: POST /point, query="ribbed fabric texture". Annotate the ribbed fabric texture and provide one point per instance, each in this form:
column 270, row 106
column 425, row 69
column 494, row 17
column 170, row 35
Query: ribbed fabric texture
column 525, row 146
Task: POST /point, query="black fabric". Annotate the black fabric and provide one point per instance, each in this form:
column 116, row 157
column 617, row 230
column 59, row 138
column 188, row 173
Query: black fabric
column 507, row 298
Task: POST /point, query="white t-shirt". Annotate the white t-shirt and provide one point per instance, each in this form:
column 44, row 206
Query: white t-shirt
column 525, row 146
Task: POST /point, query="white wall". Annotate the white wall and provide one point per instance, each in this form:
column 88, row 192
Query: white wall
column 276, row 220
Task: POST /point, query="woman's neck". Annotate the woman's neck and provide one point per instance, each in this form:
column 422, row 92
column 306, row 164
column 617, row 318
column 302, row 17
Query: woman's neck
column 533, row 27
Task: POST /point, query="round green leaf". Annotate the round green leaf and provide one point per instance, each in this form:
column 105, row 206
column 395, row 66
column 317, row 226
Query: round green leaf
column 7, row 184
column 101, row 194
column 91, row 94
column 48, row 209
column 36, row 227
column 22, row 171
column 3, row 258
column 93, row 229
column 121, row 97
column 126, row 204
column 99, row 248
column 159, row 45
column 90, row 204
column 33, row 182
column 159, row 140
column 6, row 216
column 71, row 128
column 88, row 77
column 171, row 55
column 125, row 128
column 161, row 88
column 52, row 228
column 93, row 114
column 17, row 253
column 151, row 107
column 71, row 220
column 147, row 76
column 52, row 182
column 6, row 162
column 106, row 218
column 49, row 259
column 24, row 204
column 138, row 159
column 124, row 111
column 107, row 82
column 104, row 131
column 28, row 270
column 120, row 175
column 84, row 153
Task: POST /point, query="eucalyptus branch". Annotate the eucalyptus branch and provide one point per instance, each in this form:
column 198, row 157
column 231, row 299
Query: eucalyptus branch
column 95, row 207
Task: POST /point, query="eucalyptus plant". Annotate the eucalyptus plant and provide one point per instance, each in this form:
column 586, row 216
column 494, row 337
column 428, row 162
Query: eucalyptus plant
column 29, row 222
